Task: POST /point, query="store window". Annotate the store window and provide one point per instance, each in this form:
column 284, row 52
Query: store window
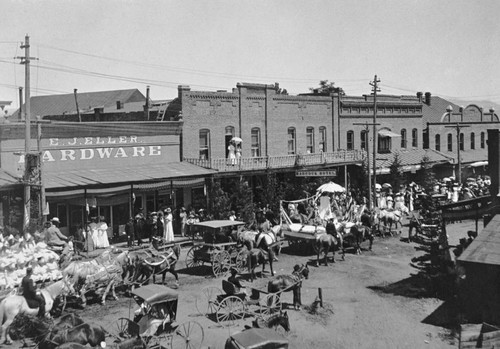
column 322, row 139
column 437, row 141
column 255, row 139
column 450, row 142
column 363, row 139
column 404, row 139
column 350, row 140
column 462, row 141
column 310, row 140
column 482, row 140
column 204, row 144
column 292, row 141
column 473, row 140
column 414, row 138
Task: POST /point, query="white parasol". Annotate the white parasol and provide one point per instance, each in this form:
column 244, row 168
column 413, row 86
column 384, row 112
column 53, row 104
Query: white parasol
column 331, row 187
column 236, row 140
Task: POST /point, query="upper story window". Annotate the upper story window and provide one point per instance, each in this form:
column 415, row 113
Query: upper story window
column 255, row 139
column 384, row 142
column 292, row 141
column 310, row 140
column 229, row 134
column 322, row 139
column 437, row 141
column 473, row 140
column 350, row 140
column 462, row 141
column 204, row 144
column 450, row 142
column 482, row 140
column 363, row 139
column 404, row 138
column 414, row 138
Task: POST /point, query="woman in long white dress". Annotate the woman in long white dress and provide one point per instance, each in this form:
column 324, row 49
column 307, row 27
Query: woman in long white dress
column 231, row 153
column 102, row 233
column 93, row 232
column 168, row 226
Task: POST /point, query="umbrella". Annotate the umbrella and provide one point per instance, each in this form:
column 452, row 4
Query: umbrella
column 331, row 188
column 378, row 186
column 236, row 140
column 386, row 185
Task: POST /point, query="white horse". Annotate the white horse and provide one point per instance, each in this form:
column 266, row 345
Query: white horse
column 16, row 304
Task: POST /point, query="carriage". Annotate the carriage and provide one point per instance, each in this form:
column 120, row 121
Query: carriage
column 155, row 321
column 216, row 247
column 256, row 339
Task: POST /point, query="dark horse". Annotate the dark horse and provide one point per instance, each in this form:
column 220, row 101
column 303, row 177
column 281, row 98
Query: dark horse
column 260, row 255
column 83, row 334
column 330, row 241
column 131, row 343
column 157, row 264
column 274, row 321
column 292, row 282
column 359, row 234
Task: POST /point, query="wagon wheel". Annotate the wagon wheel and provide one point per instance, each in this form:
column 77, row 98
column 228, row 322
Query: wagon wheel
column 206, row 302
column 188, row 335
column 270, row 305
column 221, row 263
column 162, row 341
column 230, row 310
column 126, row 328
column 192, row 260
column 241, row 261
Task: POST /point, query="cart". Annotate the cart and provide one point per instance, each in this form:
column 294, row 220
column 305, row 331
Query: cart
column 156, row 323
column 216, row 247
column 228, row 306
column 256, row 338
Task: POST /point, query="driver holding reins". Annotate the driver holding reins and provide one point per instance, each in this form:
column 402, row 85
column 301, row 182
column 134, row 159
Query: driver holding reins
column 264, row 229
column 30, row 292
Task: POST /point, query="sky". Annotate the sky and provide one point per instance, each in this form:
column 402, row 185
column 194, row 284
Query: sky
column 449, row 48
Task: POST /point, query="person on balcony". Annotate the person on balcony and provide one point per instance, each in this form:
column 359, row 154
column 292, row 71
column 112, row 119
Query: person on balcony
column 231, row 153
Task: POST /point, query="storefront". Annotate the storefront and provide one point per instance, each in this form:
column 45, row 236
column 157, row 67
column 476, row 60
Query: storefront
column 109, row 169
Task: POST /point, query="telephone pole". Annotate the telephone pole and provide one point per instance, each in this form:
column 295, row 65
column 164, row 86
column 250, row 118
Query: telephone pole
column 27, row 141
column 375, row 89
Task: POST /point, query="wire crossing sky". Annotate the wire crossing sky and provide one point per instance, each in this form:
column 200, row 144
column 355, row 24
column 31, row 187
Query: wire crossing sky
column 449, row 48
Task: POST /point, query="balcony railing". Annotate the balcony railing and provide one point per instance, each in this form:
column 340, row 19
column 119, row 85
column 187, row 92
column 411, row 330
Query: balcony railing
column 276, row 162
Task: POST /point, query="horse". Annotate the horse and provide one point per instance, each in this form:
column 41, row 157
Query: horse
column 247, row 238
column 261, row 253
column 83, row 334
column 69, row 320
column 393, row 217
column 145, row 268
column 274, row 321
column 326, row 243
column 359, row 234
column 14, row 304
column 131, row 343
column 292, row 282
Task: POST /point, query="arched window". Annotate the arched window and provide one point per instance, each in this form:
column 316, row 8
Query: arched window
column 404, row 138
column 310, row 140
column 473, row 140
column 204, row 144
column 255, row 142
column 363, row 139
column 350, row 140
column 292, row 141
column 322, row 139
column 230, row 131
column 450, row 142
column 462, row 141
column 414, row 138
column 437, row 141
column 482, row 140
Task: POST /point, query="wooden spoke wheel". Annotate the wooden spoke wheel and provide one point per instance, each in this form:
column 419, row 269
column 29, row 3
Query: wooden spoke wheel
column 188, row 335
column 231, row 309
column 270, row 304
column 241, row 261
column 193, row 258
column 206, row 302
column 221, row 263
column 126, row 328
column 162, row 341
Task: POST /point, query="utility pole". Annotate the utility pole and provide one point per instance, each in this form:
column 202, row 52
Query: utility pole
column 367, row 143
column 77, row 108
column 458, row 126
column 375, row 89
column 27, row 145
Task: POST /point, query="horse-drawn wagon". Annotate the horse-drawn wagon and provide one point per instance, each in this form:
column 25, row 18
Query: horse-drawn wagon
column 155, row 321
column 256, row 338
column 217, row 247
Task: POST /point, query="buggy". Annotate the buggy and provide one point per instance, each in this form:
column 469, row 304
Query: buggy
column 261, row 338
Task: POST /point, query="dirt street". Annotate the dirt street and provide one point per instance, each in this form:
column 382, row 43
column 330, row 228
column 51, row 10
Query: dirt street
column 369, row 301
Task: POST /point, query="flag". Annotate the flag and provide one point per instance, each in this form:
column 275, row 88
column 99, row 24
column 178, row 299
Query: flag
column 26, row 221
column 87, row 208
column 46, row 210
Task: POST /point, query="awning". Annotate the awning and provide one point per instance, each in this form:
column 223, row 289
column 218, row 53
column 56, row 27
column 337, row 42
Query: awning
column 119, row 176
column 8, row 180
column 387, row 133
column 479, row 164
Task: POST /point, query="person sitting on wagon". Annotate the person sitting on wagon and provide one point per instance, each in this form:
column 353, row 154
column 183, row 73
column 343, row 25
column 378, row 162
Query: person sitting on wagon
column 235, row 281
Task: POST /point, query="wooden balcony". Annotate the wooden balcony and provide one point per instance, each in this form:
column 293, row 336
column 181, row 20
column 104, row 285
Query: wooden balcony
column 340, row 157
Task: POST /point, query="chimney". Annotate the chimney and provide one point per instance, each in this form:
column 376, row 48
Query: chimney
column 419, row 96
column 428, row 98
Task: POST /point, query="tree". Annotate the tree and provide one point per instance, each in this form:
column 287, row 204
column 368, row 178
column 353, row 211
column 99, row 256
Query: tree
column 242, row 199
column 427, row 176
column 326, row 87
column 396, row 171
column 219, row 203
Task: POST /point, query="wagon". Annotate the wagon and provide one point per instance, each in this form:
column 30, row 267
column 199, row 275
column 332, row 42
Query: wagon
column 155, row 321
column 216, row 247
column 260, row 338
column 228, row 306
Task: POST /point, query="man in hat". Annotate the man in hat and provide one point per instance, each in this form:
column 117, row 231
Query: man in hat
column 235, row 281
column 130, row 231
column 54, row 236
column 30, row 292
